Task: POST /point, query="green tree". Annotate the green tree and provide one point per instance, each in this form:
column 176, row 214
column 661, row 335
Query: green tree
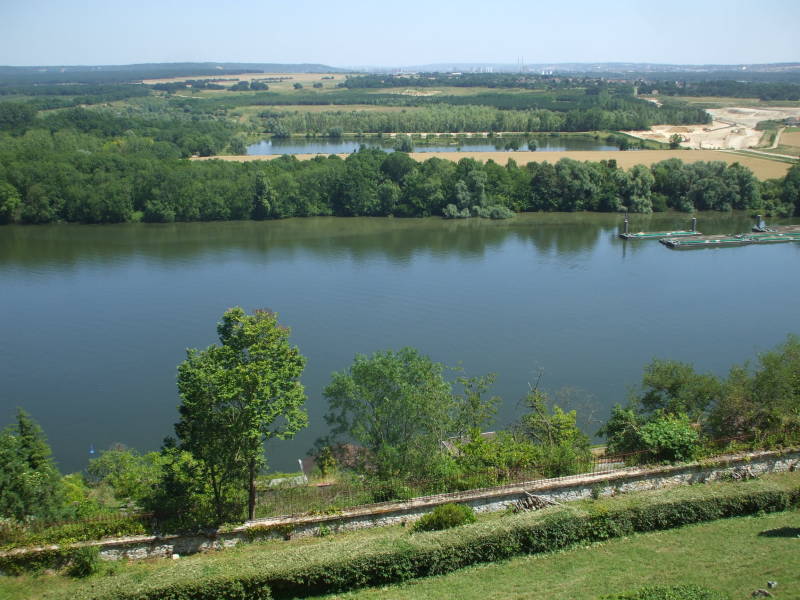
column 551, row 427
column 398, row 405
column 791, row 188
column 10, row 203
column 675, row 141
column 264, row 198
column 767, row 401
column 672, row 387
column 16, row 116
column 662, row 437
column 181, row 500
column 563, row 448
column 30, row 484
column 236, row 396
column 128, row 473
column 473, row 410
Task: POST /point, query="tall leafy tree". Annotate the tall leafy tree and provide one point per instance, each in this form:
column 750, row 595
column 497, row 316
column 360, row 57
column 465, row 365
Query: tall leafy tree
column 400, row 407
column 30, row 484
column 236, row 396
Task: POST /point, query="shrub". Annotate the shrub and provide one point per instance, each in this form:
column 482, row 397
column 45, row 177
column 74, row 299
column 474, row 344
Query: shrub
column 445, row 517
column 391, row 491
column 670, row 439
column 84, row 561
column 19, row 535
column 675, row 592
column 667, row 438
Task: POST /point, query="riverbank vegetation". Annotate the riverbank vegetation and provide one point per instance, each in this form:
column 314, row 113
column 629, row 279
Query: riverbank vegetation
column 106, row 152
column 398, row 429
column 80, row 175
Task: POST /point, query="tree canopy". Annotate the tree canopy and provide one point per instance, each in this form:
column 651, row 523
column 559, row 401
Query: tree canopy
column 237, row 395
column 400, row 407
column 30, row 484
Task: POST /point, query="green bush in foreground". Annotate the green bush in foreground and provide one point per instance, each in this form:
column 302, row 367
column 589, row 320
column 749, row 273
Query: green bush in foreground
column 673, row 592
column 445, row 517
column 72, row 532
column 85, row 561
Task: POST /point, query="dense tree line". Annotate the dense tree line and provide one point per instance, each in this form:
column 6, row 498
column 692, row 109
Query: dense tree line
column 724, row 88
column 97, row 171
column 114, row 74
column 585, row 109
column 490, row 80
column 100, row 166
column 447, row 118
column 49, row 96
column 68, row 176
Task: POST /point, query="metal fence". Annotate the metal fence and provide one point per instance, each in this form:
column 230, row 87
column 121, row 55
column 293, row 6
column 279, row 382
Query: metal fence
column 350, row 491
column 358, row 492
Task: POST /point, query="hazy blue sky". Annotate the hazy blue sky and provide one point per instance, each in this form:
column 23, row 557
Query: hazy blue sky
column 376, row 32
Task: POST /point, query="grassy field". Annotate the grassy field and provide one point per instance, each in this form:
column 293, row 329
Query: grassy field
column 722, row 102
column 306, row 79
column 763, row 167
column 736, row 556
column 244, row 113
column 452, row 91
column 789, row 142
column 604, row 567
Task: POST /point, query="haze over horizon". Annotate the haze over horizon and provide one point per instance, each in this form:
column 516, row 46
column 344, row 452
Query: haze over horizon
column 349, row 34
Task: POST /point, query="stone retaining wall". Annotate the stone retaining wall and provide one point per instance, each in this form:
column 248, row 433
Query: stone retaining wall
column 563, row 489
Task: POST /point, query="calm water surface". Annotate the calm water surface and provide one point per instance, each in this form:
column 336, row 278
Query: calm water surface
column 346, row 146
column 95, row 319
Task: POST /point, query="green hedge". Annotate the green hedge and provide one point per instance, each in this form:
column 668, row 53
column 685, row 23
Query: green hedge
column 446, row 516
column 673, row 592
column 17, row 564
column 212, row 588
column 75, row 532
column 431, row 554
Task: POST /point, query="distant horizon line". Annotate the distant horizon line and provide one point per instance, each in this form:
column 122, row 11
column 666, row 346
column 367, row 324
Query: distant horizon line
column 440, row 63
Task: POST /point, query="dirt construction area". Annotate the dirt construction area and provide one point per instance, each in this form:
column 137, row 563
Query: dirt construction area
column 731, row 129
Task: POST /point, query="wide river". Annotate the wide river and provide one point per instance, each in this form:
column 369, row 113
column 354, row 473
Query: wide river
column 95, row 319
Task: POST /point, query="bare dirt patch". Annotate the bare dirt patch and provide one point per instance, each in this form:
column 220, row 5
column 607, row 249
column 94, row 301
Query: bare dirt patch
column 791, row 139
column 763, row 168
column 732, row 128
column 420, row 93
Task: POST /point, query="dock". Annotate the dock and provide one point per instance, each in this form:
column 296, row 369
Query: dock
column 779, row 229
column 760, row 234
column 657, row 235
column 707, row 241
column 738, row 239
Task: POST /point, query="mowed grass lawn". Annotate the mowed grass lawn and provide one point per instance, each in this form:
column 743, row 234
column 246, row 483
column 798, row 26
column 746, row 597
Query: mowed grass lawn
column 736, row 556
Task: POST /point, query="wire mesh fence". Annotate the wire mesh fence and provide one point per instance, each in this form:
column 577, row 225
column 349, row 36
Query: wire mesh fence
column 353, row 492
